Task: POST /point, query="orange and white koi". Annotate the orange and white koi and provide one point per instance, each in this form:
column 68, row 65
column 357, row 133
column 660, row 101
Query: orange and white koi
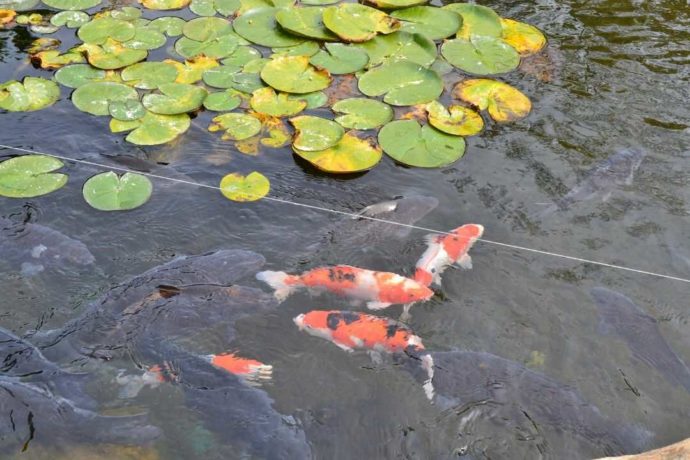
column 445, row 250
column 378, row 289
column 249, row 369
column 351, row 330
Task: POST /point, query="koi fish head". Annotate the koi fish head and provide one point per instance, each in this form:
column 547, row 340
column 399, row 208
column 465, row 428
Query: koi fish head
column 418, row 290
column 462, row 240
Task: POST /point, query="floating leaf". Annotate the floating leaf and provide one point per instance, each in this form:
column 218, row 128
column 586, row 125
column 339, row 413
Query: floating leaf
column 126, row 13
column 152, row 129
column 72, row 4
column 294, row 74
column 241, row 56
column 481, row 55
column 353, row 22
column 340, row 59
column 164, row 4
column 149, row 75
column 261, row 27
column 30, row 176
column 237, row 187
column 192, row 69
column 278, row 135
column 145, row 38
column 70, row 19
column 503, row 102
column 175, row 98
column 53, row 59
column 434, row 23
column 266, row 101
column 308, row 48
column 43, row 44
column 399, row 46
column 315, row 133
column 456, row 120
column 99, row 30
column 351, row 154
column 247, row 5
column 396, row 4
column 255, row 66
column 221, row 77
column 211, row 7
column 314, row 100
column 74, row 76
column 109, row 192
column 31, row 94
column 127, row 110
column 18, row 5
column 247, row 82
column 6, row 16
column 423, row 146
column 307, row 22
column 237, row 126
column 477, row 20
column 223, row 101
column 402, row 83
column 525, row 38
column 318, row 2
column 168, row 25
column 362, row 113
column 112, row 55
column 212, row 37
column 95, row 97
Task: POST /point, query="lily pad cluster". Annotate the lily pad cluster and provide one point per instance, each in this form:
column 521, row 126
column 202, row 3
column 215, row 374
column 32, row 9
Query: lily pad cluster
column 342, row 83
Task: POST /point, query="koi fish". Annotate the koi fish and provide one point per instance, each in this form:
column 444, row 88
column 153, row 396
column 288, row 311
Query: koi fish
column 445, row 250
column 249, row 369
column 350, row 330
column 379, row 289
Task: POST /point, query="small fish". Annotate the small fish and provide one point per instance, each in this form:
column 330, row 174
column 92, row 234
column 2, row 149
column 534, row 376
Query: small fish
column 378, row 289
column 250, row 370
column 445, row 250
column 620, row 316
column 350, row 330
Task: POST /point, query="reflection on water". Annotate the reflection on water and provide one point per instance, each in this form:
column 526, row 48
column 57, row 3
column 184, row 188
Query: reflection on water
column 615, row 76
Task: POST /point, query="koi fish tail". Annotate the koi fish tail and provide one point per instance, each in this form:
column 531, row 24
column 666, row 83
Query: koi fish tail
column 281, row 282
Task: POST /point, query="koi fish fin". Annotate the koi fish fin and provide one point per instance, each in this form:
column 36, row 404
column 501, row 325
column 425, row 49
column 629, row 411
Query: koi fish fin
column 428, row 366
column 378, row 208
column 431, row 238
column 279, row 282
column 465, row 262
column 373, row 305
column 376, row 357
column 344, row 347
column 406, row 316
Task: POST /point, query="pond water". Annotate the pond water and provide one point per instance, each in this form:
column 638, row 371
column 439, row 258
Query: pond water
column 615, row 75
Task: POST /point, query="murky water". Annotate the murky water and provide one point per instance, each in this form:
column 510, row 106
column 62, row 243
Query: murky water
column 615, row 74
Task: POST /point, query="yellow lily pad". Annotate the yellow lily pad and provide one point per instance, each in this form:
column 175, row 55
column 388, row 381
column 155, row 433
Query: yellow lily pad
column 525, row 38
column 191, row 70
column 251, row 187
column 456, row 119
column 353, row 22
column 350, row 155
column 503, row 102
column 164, row 4
column 294, row 74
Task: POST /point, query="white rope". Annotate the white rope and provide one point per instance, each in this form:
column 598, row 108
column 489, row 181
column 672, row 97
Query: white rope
column 358, row 216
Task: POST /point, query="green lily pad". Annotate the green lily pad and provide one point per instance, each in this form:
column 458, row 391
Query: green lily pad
column 307, row 22
column 163, row 5
column 237, row 187
column 340, row 59
column 314, row 100
column 223, row 101
column 441, row 66
column 435, row 23
column 318, row 2
column 266, row 101
column 221, row 77
column 315, row 133
column 202, row 29
column 70, row 19
column 353, row 22
column 481, row 55
column 217, row 47
column 53, row 59
column 237, row 126
column 476, row 20
column 211, row 7
column 95, row 97
column 455, row 120
column 99, row 30
column 168, row 25
column 152, row 129
column 525, row 38
column 362, row 113
column 261, row 27
column 192, row 70
column 126, row 13
column 149, row 75
column 423, row 146
column 247, row 82
column 18, row 5
column 294, row 74
column 72, row 4
column 350, row 155
column 176, row 98
column 308, row 48
column 145, row 38
column 396, row 4
column 402, row 83
column 241, row 56
column 30, row 176
column 504, row 103
column 127, row 110
column 74, row 76
column 112, row 55
column 399, row 46
column 30, row 94
column 109, row 192
column 255, row 65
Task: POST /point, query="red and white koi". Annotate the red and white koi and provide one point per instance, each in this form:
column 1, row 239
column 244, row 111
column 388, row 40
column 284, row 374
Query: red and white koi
column 445, row 250
column 249, row 369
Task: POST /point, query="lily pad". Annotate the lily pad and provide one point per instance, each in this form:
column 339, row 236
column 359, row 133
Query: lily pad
column 350, row 155
column 164, row 4
column 455, row 120
column 307, row 22
column 266, row 101
column 525, row 38
column 112, row 55
column 211, row 7
column 477, row 20
column 6, row 16
column 72, row 4
column 237, row 187
column 74, row 76
column 261, row 27
column 109, row 192
column 18, row 5
column 396, row 4
column 315, row 133
column 434, row 23
column 340, row 59
column 221, row 77
column 100, row 29
column 30, row 94
column 30, row 176
column 318, row 2
column 223, row 101
column 247, row 82
column 126, row 13
column 314, row 100
column 294, row 74
column 149, row 75
column 192, row 70
column 241, row 56
column 175, row 98
column 70, row 19
column 127, row 110
column 411, row 144
column 353, row 22
column 307, row 48
column 152, row 129
column 53, row 59
column 95, row 97
column 168, row 25
column 217, row 47
column 399, row 46
column 402, row 83
column 145, row 38
column 237, row 126
column 481, row 55
column 255, row 65
column 503, row 102
column 362, row 113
